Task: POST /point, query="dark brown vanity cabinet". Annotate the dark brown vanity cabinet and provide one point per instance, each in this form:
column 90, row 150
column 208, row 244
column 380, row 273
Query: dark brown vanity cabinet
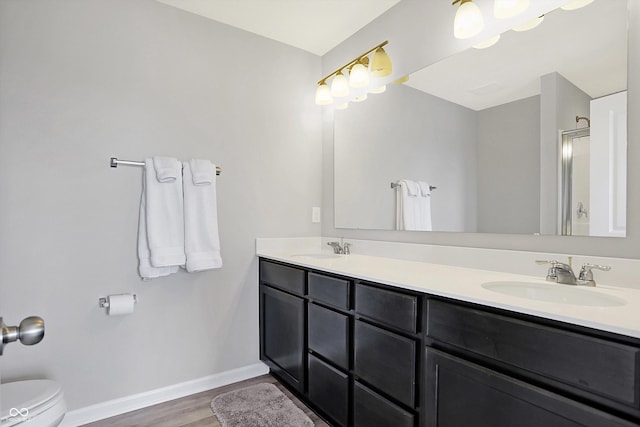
column 495, row 368
column 350, row 350
column 368, row 355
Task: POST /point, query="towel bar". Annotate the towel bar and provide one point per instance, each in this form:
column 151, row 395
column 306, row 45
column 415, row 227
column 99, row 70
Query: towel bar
column 115, row 162
column 395, row 184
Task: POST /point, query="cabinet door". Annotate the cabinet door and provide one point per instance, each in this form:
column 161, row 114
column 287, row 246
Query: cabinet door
column 329, row 390
column 329, row 334
column 460, row 393
column 386, row 361
column 282, row 330
column 373, row 410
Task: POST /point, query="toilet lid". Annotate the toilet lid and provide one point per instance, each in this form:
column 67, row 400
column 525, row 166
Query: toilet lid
column 32, row 395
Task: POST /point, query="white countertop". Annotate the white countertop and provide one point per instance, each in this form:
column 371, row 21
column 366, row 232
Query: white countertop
column 465, row 284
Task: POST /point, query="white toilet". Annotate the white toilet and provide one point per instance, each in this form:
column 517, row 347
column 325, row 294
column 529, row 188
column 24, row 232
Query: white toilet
column 33, row 403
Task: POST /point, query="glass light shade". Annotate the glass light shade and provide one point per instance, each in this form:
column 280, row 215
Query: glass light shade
column 377, row 90
column 529, row 25
column 359, row 76
column 401, row 80
column 342, row 106
column 487, row 43
column 575, row 4
column 503, row 9
column 468, row 21
column 380, row 64
column 323, row 95
column 360, row 98
column 339, row 86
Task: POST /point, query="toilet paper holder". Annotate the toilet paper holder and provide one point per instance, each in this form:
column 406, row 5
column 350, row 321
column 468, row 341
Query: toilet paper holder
column 104, row 301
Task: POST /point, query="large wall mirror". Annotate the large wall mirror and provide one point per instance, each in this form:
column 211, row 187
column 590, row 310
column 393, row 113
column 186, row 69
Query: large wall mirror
column 527, row 136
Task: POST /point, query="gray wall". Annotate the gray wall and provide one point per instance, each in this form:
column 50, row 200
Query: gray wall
column 509, row 167
column 84, row 80
column 405, row 134
column 419, row 34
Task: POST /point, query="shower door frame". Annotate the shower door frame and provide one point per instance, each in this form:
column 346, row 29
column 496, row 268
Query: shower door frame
column 566, row 172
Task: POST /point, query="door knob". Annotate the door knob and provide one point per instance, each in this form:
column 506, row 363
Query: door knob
column 29, row 332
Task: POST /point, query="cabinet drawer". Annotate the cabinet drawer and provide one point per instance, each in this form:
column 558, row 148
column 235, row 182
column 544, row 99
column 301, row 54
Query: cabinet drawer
column 601, row 367
column 329, row 390
column 373, row 410
column 329, row 290
column 460, row 393
column 329, row 334
column 284, row 277
column 389, row 307
column 386, row 361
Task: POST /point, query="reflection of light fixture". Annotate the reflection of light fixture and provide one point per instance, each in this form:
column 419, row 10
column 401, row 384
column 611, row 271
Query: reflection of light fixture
column 575, row 4
column 339, row 86
column 401, row 80
column 360, row 98
column 342, row 106
column 468, row 21
column 358, row 76
column 529, row 25
column 503, row 9
column 487, row 43
column 378, row 90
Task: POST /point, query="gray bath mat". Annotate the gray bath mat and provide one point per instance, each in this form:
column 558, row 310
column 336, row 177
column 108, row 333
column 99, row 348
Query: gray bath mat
column 260, row 405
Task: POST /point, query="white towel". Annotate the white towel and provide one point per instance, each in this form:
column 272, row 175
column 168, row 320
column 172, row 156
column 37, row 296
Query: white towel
column 425, row 189
column 146, row 270
column 413, row 190
column 412, row 212
column 202, row 242
column 164, row 212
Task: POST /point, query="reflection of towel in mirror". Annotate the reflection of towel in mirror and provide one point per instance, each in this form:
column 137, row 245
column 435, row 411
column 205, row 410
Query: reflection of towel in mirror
column 412, row 212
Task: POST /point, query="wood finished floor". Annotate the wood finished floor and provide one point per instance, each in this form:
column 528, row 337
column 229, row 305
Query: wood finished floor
column 192, row 411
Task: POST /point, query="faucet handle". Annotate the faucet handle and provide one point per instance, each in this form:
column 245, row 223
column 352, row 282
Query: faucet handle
column 345, row 248
column 586, row 275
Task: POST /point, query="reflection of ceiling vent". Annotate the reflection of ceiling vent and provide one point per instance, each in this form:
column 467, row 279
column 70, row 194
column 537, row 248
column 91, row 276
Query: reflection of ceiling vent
column 486, row 89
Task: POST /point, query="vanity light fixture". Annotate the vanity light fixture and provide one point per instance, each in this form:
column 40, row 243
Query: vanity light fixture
column 504, row 9
column 468, row 21
column 323, row 94
column 359, row 76
column 575, row 4
column 529, row 25
column 339, row 86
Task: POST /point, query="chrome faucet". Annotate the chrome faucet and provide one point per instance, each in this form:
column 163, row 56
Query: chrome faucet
column 340, row 247
column 560, row 272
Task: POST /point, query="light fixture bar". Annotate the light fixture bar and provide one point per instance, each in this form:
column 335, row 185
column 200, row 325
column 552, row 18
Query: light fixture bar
column 353, row 62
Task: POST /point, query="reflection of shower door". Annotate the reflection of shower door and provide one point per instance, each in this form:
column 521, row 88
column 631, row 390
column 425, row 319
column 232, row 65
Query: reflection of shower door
column 575, row 183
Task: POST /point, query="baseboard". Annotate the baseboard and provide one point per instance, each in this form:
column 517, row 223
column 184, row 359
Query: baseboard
column 115, row 407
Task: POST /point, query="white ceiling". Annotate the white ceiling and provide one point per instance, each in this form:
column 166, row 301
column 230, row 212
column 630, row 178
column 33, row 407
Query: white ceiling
column 316, row 26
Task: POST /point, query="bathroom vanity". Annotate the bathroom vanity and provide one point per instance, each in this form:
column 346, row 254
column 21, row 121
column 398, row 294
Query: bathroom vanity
column 364, row 352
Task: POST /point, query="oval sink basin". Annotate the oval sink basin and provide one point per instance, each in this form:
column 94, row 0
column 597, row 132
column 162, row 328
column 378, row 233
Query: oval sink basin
column 557, row 293
column 318, row 256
